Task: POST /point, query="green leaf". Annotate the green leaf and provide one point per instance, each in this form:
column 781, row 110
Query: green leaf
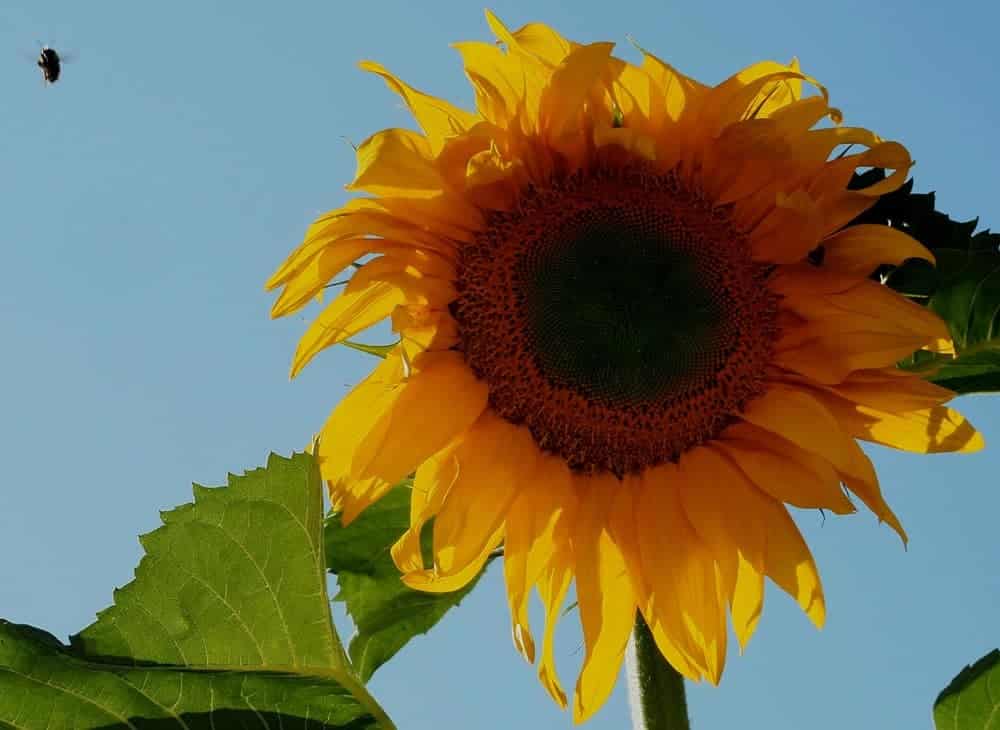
column 963, row 288
column 234, row 578
column 43, row 684
column 916, row 279
column 385, row 611
column 974, row 371
column 972, row 700
column 227, row 624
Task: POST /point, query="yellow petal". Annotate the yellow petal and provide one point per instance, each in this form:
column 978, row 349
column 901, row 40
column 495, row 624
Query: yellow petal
column 790, row 231
column 830, row 351
column 356, row 495
column 891, row 390
column 513, row 42
column 847, row 325
column 544, row 499
column 679, row 93
column 693, row 581
column 354, row 420
column 790, row 564
column 416, row 427
column 777, row 94
column 311, row 279
column 438, row 118
column 800, row 418
column 700, row 574
column 563, row 98
column 786, row 558
column 489, row 167
column 784, row 471
column 403, row 260
column 876, row 308
column 397, row 162
column 457, row 155
column 805, row 419
column 925, row 431
column 735, row 535
column 801, row 115
column 624, row 521
column 604, row 592
column 819, row 143
column 441, row 218
column 494, row 460
column 765, row 524
column 943, row 346
column 430, row 581
column 839, row 205
column 632, row 91
column 418, row 288
column 891, row 155
column 530, row 71
column 744, row 159
column 637, row 144
column 826, row 182
column 734, row 99
column 893, row 308
column 433, row 480
column 864, row 483
column 861, row 249
column 345, row 316
column 495, row 78
column 552, row 590
column 544, row 42
column 675, row 563
column 364, row 219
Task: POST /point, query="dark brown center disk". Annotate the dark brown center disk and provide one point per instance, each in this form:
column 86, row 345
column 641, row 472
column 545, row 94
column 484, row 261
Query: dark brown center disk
column 617, row 315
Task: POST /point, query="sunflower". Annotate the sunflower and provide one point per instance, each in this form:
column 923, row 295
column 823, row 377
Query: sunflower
column 633, row 329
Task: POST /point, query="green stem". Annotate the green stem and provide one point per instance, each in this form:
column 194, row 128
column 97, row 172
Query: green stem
column 656, row 689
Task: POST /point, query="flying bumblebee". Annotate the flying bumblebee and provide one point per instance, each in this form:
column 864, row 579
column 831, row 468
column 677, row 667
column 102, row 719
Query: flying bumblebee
column 50, row 63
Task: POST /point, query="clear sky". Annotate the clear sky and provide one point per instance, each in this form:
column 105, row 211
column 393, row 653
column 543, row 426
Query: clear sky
column 147, row 196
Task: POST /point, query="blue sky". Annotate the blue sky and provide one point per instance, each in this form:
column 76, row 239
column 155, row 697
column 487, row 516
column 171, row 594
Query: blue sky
column 148, row 195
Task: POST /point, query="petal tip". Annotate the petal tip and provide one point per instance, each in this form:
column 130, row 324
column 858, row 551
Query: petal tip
column 581, row 713
column 817, row 612
column 279, row 309
column 523, row 642
column 976, row 443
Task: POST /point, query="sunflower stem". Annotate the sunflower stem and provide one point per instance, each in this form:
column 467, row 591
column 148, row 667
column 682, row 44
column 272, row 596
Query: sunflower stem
column 656, row 689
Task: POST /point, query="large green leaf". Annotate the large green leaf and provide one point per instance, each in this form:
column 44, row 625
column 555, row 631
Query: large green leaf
column 972, row 700
column 964, row 287
column 43, row 684
column 386, row 613
column 227, row 624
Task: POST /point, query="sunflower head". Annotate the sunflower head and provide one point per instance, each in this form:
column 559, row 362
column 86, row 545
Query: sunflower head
column 617, row 315
column 634, row 328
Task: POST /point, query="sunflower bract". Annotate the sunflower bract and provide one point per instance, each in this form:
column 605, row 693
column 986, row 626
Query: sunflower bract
column 618, row 357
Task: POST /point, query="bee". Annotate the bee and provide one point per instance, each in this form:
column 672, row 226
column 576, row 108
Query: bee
column 51, row 64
